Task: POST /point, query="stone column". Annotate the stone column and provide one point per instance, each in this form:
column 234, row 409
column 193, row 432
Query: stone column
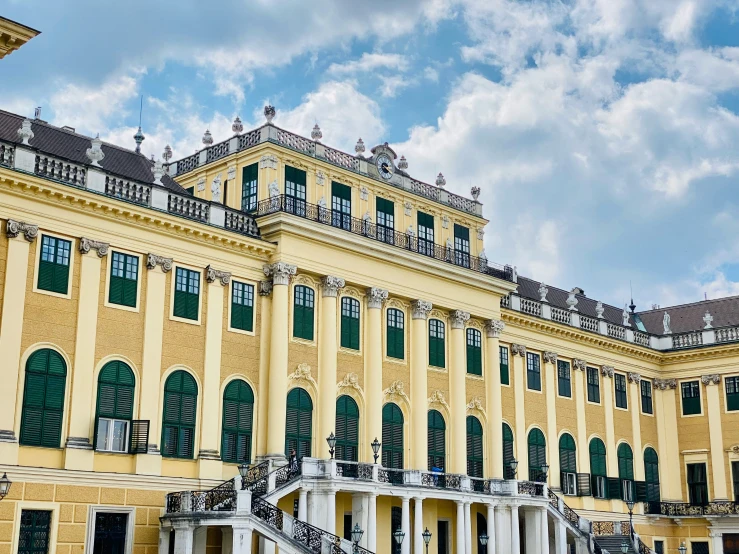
column 279, row 337
column 544, row 529
column 209, row 460
column 606, row 373
column 303, row 504
column 331, row 512
column 550, row 367
column 373, row 368
column 372, row 523
column 459, row 528
column 405, row 525
column 491, row 529
column 494, row 404
column 532, row 530
column 78, row 453
column 20, row 236
column 560, row 537
column 518, row 354
column 164, row 533
column 665, row 410
column 515, row 536
column 265, row 308
column 634, row 380
column 183, row 539
column 418, row 543
column 327, row 351
column 151, row 371
column 467, row 528
column 579, row 370
column 458, row 393
column 714, row 406
column 717, row 541
column 419, row 386
column 241, row 540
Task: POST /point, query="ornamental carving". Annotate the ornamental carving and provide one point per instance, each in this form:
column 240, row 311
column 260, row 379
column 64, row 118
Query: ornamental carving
column 475, row 404
column 212, row 274
column 201, row 184
column 302, row 373
column 363, row 193
column 13, row 228
column 550, row 357
column 437, row 397
column 714, row 379
column 376, row 297
column 331, row 284
column 634, row 378
column 88, row 244
column 95, row 153
column 445, row 222
column 320, row 178
column 607, row 371
column 518, row 350
column 396, row 391
column 280, row 272
column 577, row 363
column 420, row 309
column 543, row 291
column 350, row 381
column 664, row 384
column 493, row 328
column 599, row 309
column 268, row 161
column 408, row 208
column 25, row 133
column 152, row 260
column 265, row 288
column 459, row 318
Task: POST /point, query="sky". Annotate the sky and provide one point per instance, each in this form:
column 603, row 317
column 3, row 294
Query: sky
column 604, row 134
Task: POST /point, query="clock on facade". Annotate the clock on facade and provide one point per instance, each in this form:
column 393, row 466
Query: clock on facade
column 384, row 166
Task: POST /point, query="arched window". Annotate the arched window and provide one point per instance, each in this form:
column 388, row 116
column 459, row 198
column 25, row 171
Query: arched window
column 474, row 352
column 474, row 447
column 238, row 415
column 114, row 412
column 568, row 463
column 598, row 473
column 392, row 436
column 436, row 343
column 299, row 423
column 43, row 399
column 651, row 475
column 395, row 334
column 180, row 415
column 436, row 441
column 626, row 471
column 350, row 323
column 347, row 429
column 482, row 529
column 303, row 312
column 537, row 455
column 508, row 457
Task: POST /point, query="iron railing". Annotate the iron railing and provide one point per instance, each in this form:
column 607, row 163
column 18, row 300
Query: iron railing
column 354, row 470
column 313, row 537
column 391, row 476
column 219, row 499
column 267, row 512
column 441, row 480
column 568, row 513
column 174, row 502
column 531, row 488
column 254, row 474
column 685, row 509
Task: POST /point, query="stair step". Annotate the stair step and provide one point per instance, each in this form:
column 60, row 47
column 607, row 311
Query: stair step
column 612, row 543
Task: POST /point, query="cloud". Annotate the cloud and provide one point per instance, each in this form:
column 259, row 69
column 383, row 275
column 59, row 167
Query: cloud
column 370, row 62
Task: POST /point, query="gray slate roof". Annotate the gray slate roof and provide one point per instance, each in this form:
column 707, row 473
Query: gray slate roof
column 72, row 146
column 689, row 317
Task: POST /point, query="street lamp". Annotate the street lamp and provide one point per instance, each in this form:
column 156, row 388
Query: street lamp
column 544, row 471
column 630, row 506
column 426, row 538
column 398, row 536
column 376, row 448
column 4, row 486
column 484, row 539
column 682, row 548
column 357, row 535
column 624, row 547
column 513, row 466
column 331, row 440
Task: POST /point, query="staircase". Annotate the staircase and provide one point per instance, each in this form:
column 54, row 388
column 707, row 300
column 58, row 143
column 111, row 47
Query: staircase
column 612, row 544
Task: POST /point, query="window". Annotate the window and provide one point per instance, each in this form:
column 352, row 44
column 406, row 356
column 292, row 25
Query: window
column 626, row 471
column 187, row 294
column 563, row 378
column 598, row 472
column 110, row 533
column 533, row 371
column 691, row 394
column 341, row 206
column 697, row 484
column 347, row 429
column 732, row 393
column 474, row 352
column 593, row 385
column 43, row 399
column 482, row 527
column 116, row 385
column 537, row 455
column 299, row 423
column 426, row 234
column 699, row 547
column 34, row 532
column 436, row 343
column 735, row 479
column 436, row 441
column 249, row 176
column 242, row 306
column 385, row 221
column 620, row 385
column 303, row 313
column 180, row 414
column 396, row 520
column 350, row 323
column 395, row 334
column 646, row 396
column 392, row 436
column 461, row 245
column 124, row 275
column 53, row 267
column 474, row 447
column 651, row 474
column 659, row 547
column 238, row 415
column 568, row 464
column 504, row 373
column 508, row 456
column 295, row 191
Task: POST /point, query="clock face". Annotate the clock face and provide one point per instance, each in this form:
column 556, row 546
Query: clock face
column 384, row 166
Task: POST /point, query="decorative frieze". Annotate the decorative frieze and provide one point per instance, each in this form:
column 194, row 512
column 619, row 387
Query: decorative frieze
column 518, row 350
column 579, row 364
column 350, row 381
column 396, row 391
column 664, row 384
column 88, row 244
column 607, row 371
column 152, row 260
column 13, row 228
column 302, row 373
column 330, row 285
column 420, row 309
column 376, row 297
column 212, row 274
column 493, row 328
column 280, row 272
column 268, row 161
column 459, row 318
column 265, row 288
column 634, row 377
column 550, row 357
column 408, row 208
column 363, row 193
column 714, row 379
column 437, row 397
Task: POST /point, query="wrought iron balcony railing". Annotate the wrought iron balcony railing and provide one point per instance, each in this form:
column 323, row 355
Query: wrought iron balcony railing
column 685, row 509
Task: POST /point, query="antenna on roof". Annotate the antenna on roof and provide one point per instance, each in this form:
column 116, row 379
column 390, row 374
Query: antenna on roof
column 632, row 306
column 139, row 136
column 705, row 296
column 37, row 113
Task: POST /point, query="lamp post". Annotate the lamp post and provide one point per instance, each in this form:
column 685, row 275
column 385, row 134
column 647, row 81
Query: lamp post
column 398, row 536
column 544, row 471
column 426, row 538
column 484, row 541
column 243, row 471
column 331, row 440
column 682, row 549
column 357, row 536
column 4, row 486
column 630, row 506
column 624, row 547
column 513, row 466
column 376, row 448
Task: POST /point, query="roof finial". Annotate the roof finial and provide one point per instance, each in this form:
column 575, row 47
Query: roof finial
column 139, row 136
column 237, row 126
column 632, row 306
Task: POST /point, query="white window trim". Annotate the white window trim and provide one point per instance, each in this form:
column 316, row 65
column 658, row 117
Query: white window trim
column 72, row 254
column 93, row 511
column 108, row 266
column 52, row 507
column 542, row 376
column 126, row 440
column 255, row 296
column 700, row 397
column 406, row 336
column 362, row 323
column 201, row 292
column 572, row 386
column 567, row 475
column 626, row 380
column 726, row 396
column 316, row 306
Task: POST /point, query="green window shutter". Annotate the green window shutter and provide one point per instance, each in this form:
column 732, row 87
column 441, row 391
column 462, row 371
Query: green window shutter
column 238, row 414
column 53, row 273
column 392, row 436
column 567, row 454
column 187, row 294
column 303, row 312
column 537, row 454
column 347, row 429
column 474, row 447
column 350, row 323
column 436, row 440
column 508, row 456
column 690, row 392
column 249, row 190
column 43, row 399
column 732, row 393
column 436, row 343
column 123, row 279
column 474, row 352
column 564, row 383
column 625, row 462
column 179, row 415
column 116, row 385
column 242, row 306
column 395, row 334
column 504, row 371
column 597, row 457
column 461, row 232
column 298, row 423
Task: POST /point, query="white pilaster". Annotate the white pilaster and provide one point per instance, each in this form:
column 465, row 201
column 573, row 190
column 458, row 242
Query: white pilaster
column 515, row 537
column 405, row 525
column 164, row 540
column 532, row 530
column 418, row 543
column 560, row 537
column 459, row 527
column 544, row 530
column 183, row 540
column 491, row 529
column 371, row 532
column 717, row 542
column 467, row 528
column 331, row 512
column 241, row 540
column 303, row 504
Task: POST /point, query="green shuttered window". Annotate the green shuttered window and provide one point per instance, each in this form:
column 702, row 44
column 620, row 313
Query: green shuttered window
column 392, row 436
column 564, row 384
column 299, row 423
column 242, row 306
column 697, row 484
column 295, row 190
column 598, row 468
column 395, row 334
column 35, row 530
column 114, row 412
column 249, row 189
column 436, row 343
column 53, row 267
column 347, row 429
column 474, row 352
column 474, row 447
column 341, row 206
column 238, row 414
column 180, row 414
column 537, row 455
column 508, row 452
column 436, row 441
column 187, row 294
column 425, row 234
column 625, row 471
column 505, row 378
column 124, row 275
column 567, row 454
column 593, row 385
column 43, row 399
column 385, row 221
column 732, row 393
column 646, row 396
column 691, row 394
column 303, row 312
column 533, row 371
column 651, row 474
column 350, row 323
column 461, row 245
column 619, row 381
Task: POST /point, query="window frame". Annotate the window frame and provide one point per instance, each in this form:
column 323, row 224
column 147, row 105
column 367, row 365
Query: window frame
column 734, row 379
column 237, row 430
column 350, row 421
column 109, row 437
column 250, row 196
column 385, row 231
column 93, row 511
column 705, row 484
column 694, row 386
column 299, row 437
column 45, row 410
column 173, row 292
column 461, row 245
column 472, row 424
column 295, row 201
column 561, row 365
column 598, row 481
column 530, row 370
column 341, row 207
column 350, row 319
column 427, row 238
column 70, row 267
column 437, row 439
column 504, row 348
column 436, row 343
column 620, row 394
column 649, row 397
column 179, row 426
column 117, row 386
column 474, row 361
column 593, row 387
column 108, row 278
column 231, row 292
column 303, row 308
column 393, row 411
column 400, row 331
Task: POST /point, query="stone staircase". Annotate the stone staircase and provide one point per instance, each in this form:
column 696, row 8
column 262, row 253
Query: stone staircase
column 612, row 544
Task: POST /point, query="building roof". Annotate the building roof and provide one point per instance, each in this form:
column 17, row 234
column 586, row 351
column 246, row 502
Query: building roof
column 689, row 317
column 67, row 144
column 13, row 35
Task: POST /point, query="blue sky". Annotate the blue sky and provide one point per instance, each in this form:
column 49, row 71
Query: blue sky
column 603, row 133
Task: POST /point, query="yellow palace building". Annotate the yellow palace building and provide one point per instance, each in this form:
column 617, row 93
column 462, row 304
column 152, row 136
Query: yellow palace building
column 275, row 346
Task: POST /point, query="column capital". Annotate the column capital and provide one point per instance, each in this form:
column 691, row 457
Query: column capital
column 153, row 260
column 550, row 357
column 459, row 318
column 13, row 228
column 708, row 380
column 330, row 285
column 664, row 384
column 518, row 349
column 634, row 377
column 493, row 328
column 265, row 288
column 420, row 309
column 376, row 297
column 212, row 274
column 577, row 363
column 88, row 244
column 280, row 272
column 607, row 371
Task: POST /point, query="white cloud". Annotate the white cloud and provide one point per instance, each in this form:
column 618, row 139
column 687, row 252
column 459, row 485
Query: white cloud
column 370, row 62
